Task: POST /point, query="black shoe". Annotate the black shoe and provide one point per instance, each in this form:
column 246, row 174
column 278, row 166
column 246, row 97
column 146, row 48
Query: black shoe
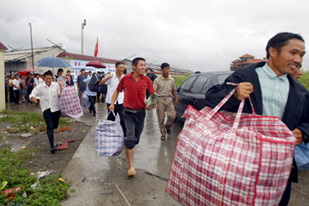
column 53, row 149
column 94, row 114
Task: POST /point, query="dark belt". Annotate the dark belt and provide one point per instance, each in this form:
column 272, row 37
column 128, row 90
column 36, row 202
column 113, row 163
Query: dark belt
column 133, row 110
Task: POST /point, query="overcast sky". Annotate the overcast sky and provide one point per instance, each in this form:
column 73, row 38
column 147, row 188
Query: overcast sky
column 203, row 35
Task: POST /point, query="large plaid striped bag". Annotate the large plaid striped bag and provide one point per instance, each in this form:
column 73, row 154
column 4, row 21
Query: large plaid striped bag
column 109, row 138
column 69, row 103
column 223, row 158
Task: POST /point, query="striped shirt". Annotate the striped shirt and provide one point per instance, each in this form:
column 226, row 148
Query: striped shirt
column 275, row 91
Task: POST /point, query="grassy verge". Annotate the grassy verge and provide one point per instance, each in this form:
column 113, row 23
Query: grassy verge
column 179, row 79
column 304, row 79
column 24, row 121
column 49, row 190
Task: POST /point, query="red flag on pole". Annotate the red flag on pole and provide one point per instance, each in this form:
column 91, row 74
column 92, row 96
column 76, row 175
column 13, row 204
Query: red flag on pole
column 96, row 48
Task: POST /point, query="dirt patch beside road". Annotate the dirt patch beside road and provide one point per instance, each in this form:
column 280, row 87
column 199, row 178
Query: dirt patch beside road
column 43, row 160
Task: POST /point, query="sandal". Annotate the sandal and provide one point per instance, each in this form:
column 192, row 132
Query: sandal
column 131, row 172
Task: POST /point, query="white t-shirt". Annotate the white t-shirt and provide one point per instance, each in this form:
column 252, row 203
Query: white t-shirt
column 48, row 96
column 38, row 82
column 16, row 83
column 112, row 84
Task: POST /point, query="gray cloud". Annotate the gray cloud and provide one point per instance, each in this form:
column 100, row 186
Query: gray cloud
column 194, row 35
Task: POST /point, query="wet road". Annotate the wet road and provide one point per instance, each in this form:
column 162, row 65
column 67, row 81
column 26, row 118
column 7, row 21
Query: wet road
column 103, row 180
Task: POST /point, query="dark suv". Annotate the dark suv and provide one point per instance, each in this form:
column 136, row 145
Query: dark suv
column 193, row 90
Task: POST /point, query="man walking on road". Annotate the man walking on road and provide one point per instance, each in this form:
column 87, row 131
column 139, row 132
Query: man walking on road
column 165, row 87
column 134, row 86
column 112, row 81
column 80, row 83
column 47, row 94
column 272, row 89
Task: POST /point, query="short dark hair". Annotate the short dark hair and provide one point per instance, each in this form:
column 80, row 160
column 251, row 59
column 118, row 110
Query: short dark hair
column 148, row 69
column 281, row 39
column 136, row 60
column 82, row 70
column 59, row 70
column 48, row 73
column 118, row 63
column 16, row 75
column 164, row 65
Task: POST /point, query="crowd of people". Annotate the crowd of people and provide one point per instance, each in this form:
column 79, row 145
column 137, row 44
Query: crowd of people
column 270, row 85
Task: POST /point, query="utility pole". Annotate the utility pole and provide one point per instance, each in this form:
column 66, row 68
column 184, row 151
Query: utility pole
column 83, row 26
column 31, row 44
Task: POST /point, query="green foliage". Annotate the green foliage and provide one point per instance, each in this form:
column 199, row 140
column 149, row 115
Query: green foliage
column 24, row 121
column 179, row 79
column 49, row 191
column 304, row 79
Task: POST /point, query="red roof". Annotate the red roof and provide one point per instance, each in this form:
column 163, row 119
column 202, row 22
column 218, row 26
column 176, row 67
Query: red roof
column 236, row 60
column 246, row 55
column 86, row 57
column 253, row 61
column 2, row 47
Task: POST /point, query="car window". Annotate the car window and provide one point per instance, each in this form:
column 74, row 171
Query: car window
column 206, row 86
column 185, row 87
column 199, row 84
column 221, row 78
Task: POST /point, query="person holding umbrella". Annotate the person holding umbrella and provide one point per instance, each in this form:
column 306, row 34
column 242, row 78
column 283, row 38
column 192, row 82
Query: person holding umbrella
column 47, row 94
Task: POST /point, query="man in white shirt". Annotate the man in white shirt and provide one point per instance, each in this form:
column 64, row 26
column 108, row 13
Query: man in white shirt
column 37, row 80
column 47, row 94
column 112, row 81
column 16, row 88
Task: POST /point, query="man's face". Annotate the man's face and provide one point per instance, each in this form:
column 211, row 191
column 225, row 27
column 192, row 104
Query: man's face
column 166, row 71
column 120, row 68
column 17, row 77
column 288, row 59
column 140, row 67
column 48, row 80
column 297, row 73
column 83, row 72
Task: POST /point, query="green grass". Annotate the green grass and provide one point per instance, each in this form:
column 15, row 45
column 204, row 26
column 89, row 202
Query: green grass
column 24, row 121
column 304, row 79
column 49, row 191
column 179, row 79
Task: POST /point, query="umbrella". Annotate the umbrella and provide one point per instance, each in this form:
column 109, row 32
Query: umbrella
column 95, row 64
column 30, row 70
column 52, row 62
column 22, row 72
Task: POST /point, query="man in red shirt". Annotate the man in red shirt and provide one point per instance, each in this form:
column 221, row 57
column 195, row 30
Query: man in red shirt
column 135, row 86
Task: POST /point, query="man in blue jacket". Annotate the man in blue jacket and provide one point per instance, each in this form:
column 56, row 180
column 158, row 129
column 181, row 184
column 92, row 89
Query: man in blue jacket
column 272, row 90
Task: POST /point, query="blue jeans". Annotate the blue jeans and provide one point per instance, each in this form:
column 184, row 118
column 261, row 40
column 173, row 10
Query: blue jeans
column 134, row 122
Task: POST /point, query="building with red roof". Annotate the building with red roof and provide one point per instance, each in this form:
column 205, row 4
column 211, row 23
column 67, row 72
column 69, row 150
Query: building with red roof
column 244, row 61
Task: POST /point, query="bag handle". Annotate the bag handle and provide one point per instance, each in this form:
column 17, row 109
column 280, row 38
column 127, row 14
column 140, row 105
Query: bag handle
column 239, row 111
column 106, row 116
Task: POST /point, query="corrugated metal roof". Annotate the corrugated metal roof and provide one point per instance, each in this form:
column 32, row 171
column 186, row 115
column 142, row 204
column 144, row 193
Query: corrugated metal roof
column 23, row 54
